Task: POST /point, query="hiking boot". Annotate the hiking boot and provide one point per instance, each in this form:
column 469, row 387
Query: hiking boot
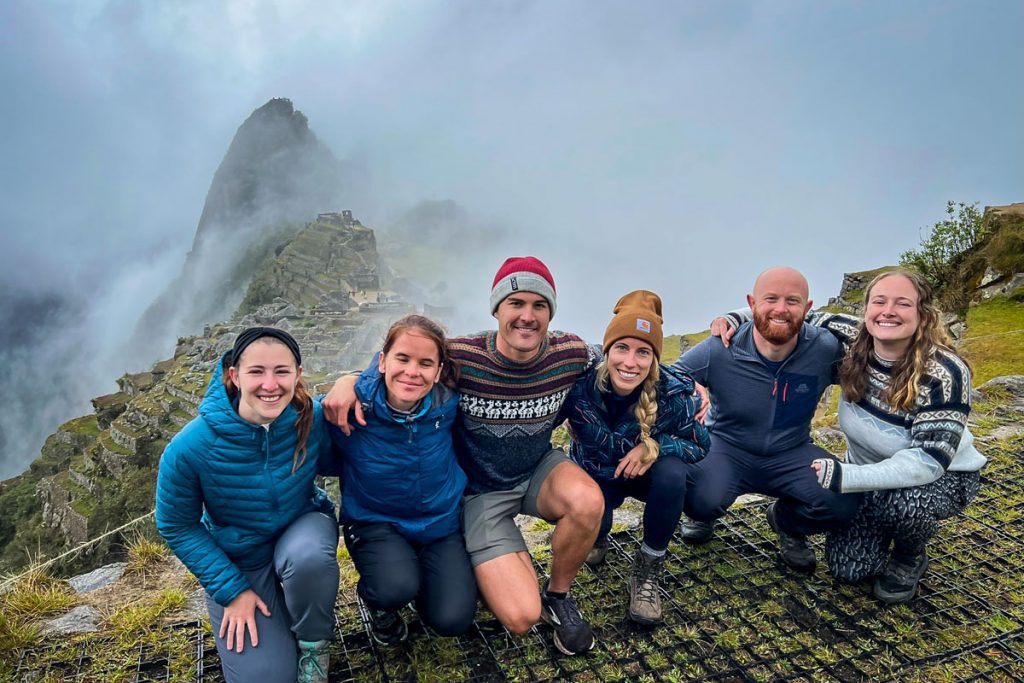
column 643, row 583
column 595, row 558
column 572, row 633
column 898, row 582
column 314, row 661
column 387, row 627
column 697, row 533
column 793, row 550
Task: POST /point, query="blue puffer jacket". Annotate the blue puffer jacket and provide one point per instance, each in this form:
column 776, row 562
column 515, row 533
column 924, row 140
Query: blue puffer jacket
column 226, row 490
column 598, row 447
column 402, row 473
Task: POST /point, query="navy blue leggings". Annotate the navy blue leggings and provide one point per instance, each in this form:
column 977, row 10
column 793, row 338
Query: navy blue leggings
column 663, row 488
column 804, row 507
column 393, row 571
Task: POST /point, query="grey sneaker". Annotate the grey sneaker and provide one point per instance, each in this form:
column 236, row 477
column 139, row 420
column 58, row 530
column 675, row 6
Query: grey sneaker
column 643, row 583
column 898, row 583
column 387, row 627
column 572, row 632
column 595, row 558
column 314, row 661
column 793, row 550
column 697, row 533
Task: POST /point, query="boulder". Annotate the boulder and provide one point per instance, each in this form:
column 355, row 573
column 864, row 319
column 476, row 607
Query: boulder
column 97, row 578
column 82, row 619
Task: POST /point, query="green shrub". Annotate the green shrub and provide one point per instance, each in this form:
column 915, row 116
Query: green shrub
column 940, row 259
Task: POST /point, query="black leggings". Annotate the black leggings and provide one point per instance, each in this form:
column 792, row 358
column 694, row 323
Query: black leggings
column 393, row 571
column 663, row 488
column 906, row 518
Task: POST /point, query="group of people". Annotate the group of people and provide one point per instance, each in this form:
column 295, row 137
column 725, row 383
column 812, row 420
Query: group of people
column 441, row 442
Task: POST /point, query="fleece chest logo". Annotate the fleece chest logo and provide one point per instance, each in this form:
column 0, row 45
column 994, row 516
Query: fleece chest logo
column 515, row 285
column 643, row 325
column 802, row 388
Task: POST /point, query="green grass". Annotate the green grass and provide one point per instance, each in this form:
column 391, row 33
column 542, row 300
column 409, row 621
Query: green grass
column 994, row 343
column 673, row 343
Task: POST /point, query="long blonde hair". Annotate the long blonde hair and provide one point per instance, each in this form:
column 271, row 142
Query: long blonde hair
column 931, row 334
column 646, row 409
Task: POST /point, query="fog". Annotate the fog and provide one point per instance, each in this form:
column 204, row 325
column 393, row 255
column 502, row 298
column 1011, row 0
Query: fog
column 678, row 147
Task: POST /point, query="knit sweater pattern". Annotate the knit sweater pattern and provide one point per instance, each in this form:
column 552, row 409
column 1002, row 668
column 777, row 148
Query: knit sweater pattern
column 508, row 409
column 889, row 448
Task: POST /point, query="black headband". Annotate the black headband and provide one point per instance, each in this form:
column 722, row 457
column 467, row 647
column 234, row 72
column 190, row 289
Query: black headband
column 247, row 337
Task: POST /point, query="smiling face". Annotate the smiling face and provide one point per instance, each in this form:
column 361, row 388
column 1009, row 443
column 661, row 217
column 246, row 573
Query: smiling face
column 891, row 315
column 779, row 304
column 266, row 376
column 629, row 363
column 523, row 320
column 411, row 366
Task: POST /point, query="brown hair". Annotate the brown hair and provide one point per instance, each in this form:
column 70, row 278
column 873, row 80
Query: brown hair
column 907, row 372
column 646, row 409
column 432, row 331
column 302, row 401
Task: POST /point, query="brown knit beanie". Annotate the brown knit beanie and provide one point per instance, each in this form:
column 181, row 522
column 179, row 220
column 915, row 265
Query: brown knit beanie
column 637, row 315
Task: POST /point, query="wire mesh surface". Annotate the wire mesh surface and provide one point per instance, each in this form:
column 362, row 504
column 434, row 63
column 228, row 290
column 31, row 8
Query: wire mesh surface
column 733, row 612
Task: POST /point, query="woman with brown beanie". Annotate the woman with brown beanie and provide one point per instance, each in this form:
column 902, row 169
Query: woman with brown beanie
column 634, row 430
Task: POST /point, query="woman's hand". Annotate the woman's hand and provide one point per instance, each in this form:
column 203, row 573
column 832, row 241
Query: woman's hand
column 239, row 615
column 340, row 400
column 720, row 327
column 633, row 465
column 705, row 401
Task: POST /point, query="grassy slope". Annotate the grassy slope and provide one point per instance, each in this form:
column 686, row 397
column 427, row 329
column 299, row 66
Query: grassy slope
column 994, row 344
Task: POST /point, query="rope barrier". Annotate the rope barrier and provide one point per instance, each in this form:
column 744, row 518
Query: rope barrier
column 14, row 579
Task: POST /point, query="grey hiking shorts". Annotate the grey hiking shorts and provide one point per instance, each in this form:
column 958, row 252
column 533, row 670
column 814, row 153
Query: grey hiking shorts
column 488, row 519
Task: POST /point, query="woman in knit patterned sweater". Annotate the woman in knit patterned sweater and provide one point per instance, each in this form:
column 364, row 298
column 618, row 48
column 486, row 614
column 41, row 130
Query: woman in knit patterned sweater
column 904, row 409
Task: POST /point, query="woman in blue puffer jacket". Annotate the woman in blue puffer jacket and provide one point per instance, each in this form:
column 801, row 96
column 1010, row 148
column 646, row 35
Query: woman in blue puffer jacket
column 402, row 487
column 237, row 503
column 634, row 430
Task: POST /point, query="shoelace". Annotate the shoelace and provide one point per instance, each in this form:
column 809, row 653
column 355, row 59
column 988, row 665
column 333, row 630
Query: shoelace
column 646, row 591
column 569, row 614
column 309, row 663
column 906, row 572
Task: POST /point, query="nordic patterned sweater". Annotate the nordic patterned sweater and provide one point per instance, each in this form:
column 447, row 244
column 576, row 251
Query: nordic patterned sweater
column 509, row 409
column 890, row 448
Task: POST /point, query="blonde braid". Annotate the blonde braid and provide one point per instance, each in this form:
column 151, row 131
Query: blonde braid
column 646, row 412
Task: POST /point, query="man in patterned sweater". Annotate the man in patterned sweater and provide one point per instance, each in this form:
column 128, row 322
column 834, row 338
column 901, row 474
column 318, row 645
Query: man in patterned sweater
column 513, row 382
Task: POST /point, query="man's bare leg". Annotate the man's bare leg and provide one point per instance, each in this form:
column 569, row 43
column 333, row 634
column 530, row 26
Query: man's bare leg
column 571, row 497
column 508, row 585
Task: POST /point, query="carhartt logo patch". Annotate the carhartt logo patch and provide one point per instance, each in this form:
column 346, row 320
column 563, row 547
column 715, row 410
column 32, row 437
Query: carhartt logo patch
column 515, row 285
column 643, row 325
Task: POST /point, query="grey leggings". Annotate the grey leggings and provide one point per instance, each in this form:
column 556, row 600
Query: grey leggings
column 299, row 587
column 906, row 518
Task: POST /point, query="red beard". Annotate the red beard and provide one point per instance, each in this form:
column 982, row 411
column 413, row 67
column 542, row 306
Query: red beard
column 774, row 333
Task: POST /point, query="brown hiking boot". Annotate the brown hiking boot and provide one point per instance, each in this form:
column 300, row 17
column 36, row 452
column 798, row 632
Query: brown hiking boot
column 643, row 583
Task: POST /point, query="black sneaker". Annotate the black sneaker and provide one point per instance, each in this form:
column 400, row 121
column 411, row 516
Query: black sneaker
column 898, row 582
column 595, row 558
column 387, row 627
column 697, row 533
column 572, row 633
column 793, row 550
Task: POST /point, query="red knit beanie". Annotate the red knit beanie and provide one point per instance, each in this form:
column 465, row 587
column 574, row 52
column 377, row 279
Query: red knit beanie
column 523, row 274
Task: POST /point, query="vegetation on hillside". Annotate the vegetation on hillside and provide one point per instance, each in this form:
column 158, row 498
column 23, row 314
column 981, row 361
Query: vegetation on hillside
column 945, row 255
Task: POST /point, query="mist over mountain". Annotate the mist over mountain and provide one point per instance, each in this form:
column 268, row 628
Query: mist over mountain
column 66, row 343
column 275, row 176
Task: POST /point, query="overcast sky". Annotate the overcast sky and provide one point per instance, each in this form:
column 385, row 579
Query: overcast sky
column 675, row 146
